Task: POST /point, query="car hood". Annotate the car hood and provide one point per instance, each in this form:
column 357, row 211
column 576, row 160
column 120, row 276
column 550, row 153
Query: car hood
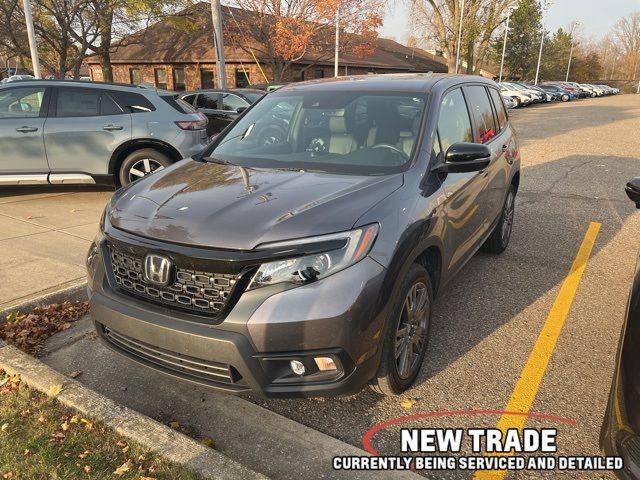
column 231, row 207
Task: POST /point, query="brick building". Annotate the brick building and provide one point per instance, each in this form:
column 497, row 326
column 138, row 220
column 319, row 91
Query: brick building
column 178, row 55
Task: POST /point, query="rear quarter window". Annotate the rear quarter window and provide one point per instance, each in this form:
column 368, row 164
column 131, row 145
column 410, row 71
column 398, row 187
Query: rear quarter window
column 178, row 104
column 132, row 102
column 500, row 109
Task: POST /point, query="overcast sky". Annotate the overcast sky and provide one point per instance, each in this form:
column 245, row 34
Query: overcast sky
column 595, row 16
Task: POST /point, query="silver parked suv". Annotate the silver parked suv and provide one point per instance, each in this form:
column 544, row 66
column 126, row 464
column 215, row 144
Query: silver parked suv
column 78, row 132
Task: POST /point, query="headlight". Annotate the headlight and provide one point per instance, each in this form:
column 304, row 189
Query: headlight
column 357, row 244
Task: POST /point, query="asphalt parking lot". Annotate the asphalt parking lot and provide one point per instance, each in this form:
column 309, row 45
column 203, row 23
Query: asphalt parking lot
column 577, row 158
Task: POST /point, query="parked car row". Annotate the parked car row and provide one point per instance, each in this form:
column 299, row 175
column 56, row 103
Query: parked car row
column 519, row 94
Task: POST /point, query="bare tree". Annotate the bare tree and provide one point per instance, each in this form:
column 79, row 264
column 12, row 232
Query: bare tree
column 480, row 21
column 282, row 32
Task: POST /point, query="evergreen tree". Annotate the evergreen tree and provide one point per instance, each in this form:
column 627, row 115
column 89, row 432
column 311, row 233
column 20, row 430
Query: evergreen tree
column 523, row 40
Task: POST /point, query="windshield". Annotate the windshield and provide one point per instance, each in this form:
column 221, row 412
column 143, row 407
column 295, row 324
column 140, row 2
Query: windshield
column 253, row 97
column 341, row 132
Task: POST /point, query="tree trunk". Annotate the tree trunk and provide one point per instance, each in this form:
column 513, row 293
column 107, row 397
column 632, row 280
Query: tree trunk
column 470, row 59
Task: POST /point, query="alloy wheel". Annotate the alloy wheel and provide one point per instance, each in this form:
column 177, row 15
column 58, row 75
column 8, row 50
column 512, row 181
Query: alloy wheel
column 144, row 167
column 411, row 333
column 507, row 218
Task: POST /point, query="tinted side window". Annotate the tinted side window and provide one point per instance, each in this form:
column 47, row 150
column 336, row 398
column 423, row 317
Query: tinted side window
column 232, row 102
column 500, row 110
column 208, row 100
column 483, row 114
column 78, row 103
column 108, row 106
column 189, row 98
column 21, row 102
column 454, row 124
column 132, row 102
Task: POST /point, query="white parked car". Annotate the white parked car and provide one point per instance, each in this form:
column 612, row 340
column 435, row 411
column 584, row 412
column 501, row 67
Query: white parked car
column 521, row 98
column 509, row 102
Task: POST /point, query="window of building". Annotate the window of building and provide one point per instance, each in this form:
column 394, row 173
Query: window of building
column 480, row 107
column 242, row 78
column 178, row 80
column 454, row 124
column 161, row 78
column 135, row 78
column 206, row 78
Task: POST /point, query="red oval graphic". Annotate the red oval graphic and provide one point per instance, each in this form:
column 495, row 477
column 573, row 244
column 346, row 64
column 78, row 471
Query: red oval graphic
column 368, row 436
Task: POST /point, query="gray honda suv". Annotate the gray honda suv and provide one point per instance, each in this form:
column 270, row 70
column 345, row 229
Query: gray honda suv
column 309, row 267
column 63, row 132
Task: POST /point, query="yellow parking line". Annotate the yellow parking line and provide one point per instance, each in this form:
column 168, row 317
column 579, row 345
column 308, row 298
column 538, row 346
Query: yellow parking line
column 531, row 376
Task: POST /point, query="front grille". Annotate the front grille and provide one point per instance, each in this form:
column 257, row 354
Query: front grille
column 194, row 291
column 191, row 368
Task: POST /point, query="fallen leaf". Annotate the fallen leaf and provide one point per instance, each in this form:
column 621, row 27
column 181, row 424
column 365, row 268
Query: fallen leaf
column 87, row 424
column 42, row 419
column 58, row 436
column 54, row 390
column 207, row 442
column 74, row 419
column 175, row 425
column 84, row 454
column 91, row 335
column 8, row 475
column 121, row 444
column 407, row 403
column 147, row 478
column 4, row 427
column 124, row 468
column 87, row 469
column 3, row 381
column 74, row 374
column 65, row 426
column 27, row 452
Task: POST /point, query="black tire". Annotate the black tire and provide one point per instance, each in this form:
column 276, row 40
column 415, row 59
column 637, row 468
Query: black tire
column 518, row 101
column 141, row 163
column 390, row 379
column 499, row 239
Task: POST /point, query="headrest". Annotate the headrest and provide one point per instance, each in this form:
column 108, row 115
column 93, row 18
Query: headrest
column 337, row 125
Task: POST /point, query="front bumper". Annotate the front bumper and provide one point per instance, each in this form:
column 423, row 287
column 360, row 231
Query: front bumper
column 341, row 316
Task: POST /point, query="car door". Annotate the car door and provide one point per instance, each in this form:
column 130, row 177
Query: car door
column 209, row 104
column 23, row 112
column 465, row 208
column 86, row 127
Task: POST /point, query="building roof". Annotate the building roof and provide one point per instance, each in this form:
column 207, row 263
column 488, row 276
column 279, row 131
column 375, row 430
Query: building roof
column 188, row 38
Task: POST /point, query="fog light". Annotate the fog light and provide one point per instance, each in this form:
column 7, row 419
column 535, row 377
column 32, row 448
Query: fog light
column 325, row 364
column 297, row 367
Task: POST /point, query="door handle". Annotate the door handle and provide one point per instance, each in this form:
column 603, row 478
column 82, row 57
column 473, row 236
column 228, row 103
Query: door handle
column 111, row 127
column 26, row 129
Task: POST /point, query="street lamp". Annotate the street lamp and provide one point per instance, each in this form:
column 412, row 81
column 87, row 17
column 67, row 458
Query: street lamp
column 504, row 44
column 31, row 35
column 573, row 26
column 337, row 45
column 459, row 36
column 545, row 7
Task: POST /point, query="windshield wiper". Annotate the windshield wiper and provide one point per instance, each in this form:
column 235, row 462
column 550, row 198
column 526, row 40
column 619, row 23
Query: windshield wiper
column 217, row 160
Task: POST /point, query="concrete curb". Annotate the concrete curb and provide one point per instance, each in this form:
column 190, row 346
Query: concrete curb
column 77, row 291
column 161, row 439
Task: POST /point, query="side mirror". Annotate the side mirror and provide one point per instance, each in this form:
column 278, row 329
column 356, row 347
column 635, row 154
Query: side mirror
column 464, row 157
column 633, row 191
column 240, row 109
